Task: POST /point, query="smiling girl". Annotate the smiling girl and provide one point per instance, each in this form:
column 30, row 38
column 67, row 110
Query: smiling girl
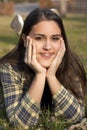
column 42, row 72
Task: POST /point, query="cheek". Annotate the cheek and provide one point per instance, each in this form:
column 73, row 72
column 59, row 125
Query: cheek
column 57, row 47
column 38, row 47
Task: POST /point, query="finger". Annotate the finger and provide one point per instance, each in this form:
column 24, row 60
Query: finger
column 60, row 53
column 62, row 43
column 33, row 52
column 63, row 49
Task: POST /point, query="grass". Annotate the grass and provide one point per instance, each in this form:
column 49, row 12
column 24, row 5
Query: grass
column 76, row 29
column 77, row 35
column 8, row 38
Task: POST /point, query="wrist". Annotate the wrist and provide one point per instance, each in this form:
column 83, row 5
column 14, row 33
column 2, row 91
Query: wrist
column 51, row 77
column 41, row 74
column 54, row 84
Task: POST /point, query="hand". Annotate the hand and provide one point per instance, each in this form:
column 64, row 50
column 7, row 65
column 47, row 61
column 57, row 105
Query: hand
column 57, row 61
column 30, row 56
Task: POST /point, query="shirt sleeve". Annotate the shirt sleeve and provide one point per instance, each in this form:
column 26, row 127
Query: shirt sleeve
column 66, row 105
column 21, row 109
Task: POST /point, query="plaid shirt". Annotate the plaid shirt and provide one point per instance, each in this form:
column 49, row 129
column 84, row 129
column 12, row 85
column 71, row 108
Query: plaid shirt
column 22, row 109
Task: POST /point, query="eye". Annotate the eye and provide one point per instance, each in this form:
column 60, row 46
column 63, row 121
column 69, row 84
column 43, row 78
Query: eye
column 39, row 38
column 56, row 38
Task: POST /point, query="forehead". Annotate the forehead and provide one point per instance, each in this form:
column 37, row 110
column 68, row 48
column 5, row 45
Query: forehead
column 47, row 26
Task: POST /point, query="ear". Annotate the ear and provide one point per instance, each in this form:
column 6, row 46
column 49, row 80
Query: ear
column 24, row 39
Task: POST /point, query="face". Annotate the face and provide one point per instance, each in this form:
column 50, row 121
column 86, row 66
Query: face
column 46, row 37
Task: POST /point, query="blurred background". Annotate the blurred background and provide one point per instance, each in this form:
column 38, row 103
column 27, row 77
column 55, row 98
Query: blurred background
column 10, row 7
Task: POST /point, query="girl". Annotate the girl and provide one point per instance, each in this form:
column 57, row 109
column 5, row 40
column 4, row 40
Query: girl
column 42, row 72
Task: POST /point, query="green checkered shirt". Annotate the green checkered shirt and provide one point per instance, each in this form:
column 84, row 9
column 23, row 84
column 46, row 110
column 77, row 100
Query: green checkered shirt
column 22, row 109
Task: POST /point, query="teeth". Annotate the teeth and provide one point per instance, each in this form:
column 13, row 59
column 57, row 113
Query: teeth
column 46, row 54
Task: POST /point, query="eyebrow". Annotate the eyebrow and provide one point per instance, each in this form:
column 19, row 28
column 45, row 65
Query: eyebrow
column 44, row 35
column 39, row 34
column 55, row 35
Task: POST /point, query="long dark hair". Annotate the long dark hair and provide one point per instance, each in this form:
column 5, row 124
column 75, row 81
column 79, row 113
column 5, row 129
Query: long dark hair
column 70, row 68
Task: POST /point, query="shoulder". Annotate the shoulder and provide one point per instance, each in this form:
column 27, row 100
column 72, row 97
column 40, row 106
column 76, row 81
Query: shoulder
column 7, row 68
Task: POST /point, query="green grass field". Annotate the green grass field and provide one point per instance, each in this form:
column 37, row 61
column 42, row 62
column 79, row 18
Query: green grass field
column 76, row 29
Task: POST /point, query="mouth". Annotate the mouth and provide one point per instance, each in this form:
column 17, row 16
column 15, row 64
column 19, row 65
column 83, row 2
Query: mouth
column 47, row 55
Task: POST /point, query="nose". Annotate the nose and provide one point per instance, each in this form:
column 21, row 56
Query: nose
column 47, row 45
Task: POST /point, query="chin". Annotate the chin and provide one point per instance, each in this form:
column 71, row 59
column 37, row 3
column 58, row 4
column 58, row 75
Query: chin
column 46, row 65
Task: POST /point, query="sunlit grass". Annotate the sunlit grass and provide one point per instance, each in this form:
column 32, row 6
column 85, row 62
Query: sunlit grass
column 8, row 37
column 76, row 29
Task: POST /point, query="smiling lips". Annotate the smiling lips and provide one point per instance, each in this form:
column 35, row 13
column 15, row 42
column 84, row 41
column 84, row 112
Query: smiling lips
column 46, row 55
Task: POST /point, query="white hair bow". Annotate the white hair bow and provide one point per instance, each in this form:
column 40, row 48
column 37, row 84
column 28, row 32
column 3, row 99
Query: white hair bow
column 17, row 24
column 55, row 11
